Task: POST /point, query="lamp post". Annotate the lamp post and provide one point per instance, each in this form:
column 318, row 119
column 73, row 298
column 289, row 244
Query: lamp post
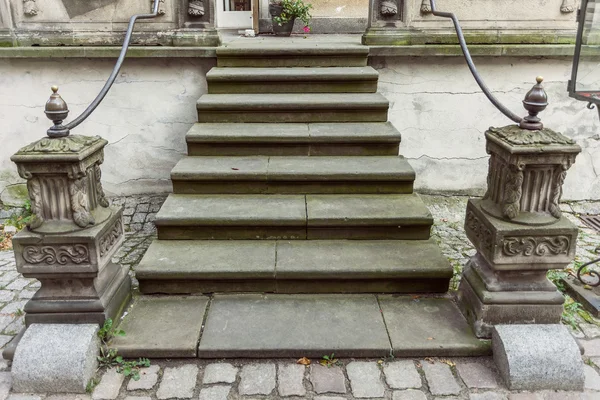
column 585, row 59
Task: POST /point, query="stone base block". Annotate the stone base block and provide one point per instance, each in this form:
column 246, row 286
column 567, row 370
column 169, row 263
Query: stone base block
column 106, row 303
column 484, row 309
column 589, row 298
column 55, row 358
column 208, row 37
column 536, row 357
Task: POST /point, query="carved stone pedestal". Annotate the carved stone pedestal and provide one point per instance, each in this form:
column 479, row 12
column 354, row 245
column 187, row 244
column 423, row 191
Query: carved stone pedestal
column 73, row 234
column 518, row 231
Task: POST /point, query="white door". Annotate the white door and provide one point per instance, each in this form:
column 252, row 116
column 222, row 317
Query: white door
column 234, row 14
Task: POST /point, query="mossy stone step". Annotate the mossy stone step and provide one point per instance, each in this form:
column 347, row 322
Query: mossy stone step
column 292, row 80
column 293, row 139
column 296, row 266
column 292, row 175
column 365, row 216
column 298, row 325
column 298, row 55
column 293, row 107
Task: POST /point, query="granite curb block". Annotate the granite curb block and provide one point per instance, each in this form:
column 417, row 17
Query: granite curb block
column 55, row 358
column 536, row 357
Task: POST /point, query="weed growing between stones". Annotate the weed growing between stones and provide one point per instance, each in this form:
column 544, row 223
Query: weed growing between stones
column 109, row 358
column 330, row 360
column 573, row 311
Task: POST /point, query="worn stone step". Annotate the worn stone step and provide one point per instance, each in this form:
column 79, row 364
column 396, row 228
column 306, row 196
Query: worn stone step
column 297, row 266
column 369, row 216
column 292, row 80
column 292, row 174
column 298, row 55
column 293, row 139
column 298, row 325
column 364, row 216
column 293, row 107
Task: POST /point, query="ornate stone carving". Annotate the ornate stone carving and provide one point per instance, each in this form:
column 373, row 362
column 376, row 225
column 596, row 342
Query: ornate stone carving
column 65, row 145
column 30, row 8
column 73, row 253
column 481, row 232
column 99, row 190
column 196, row 8
column 425, row 7
column 79, row 202
column 512, row 191
column 516, row 136
column 108, row 240
column 35, row 197
column 389, row 8
column 559, row 178
column 535, row 246
column 567, row 6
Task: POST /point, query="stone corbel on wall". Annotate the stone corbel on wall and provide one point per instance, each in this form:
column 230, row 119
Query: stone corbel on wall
column 425, row 7
column 30, row 8
column 567, row 6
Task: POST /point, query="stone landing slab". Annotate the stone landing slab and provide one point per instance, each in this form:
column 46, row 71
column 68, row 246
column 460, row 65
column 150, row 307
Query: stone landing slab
column 311, row 325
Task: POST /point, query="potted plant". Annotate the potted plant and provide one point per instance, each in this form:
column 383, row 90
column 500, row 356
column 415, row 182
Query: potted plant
column 285, row 12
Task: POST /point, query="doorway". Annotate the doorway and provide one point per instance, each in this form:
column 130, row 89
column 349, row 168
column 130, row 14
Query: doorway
column 235, row 14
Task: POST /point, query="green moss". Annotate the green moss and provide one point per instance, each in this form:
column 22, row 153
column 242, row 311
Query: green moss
column 15, row 195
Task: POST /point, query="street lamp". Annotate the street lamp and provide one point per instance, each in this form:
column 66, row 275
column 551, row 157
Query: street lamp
column 586, row 65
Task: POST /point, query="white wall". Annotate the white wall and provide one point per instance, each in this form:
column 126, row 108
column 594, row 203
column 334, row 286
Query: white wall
column 434, row 103
column 144, row 117
column 442, row 115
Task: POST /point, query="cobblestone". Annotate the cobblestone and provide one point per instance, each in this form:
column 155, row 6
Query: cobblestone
column 218, row 392
column 440, row 378
column 592, row 379
column 148, row 378
column 410, row 394
column 365, row 379
column 257, row 379
column 291, row 379
column 178, row 382
column 219, row 373
column 327, row 380
column 402, row 375
column 476, row 375
column 109, row 386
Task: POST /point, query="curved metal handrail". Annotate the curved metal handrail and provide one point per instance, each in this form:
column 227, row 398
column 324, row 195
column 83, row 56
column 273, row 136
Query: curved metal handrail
column 463, row 45
column 116, row 69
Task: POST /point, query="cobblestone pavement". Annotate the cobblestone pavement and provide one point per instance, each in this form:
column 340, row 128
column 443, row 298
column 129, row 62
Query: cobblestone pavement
column 395, row 379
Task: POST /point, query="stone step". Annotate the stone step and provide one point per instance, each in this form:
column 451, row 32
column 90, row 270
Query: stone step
column 293, row 107
column 313, row 216
column 292, row 80
column 295, row 266
column 296, row 325
column 298, row 55
column 300, row 139
column 292, row 175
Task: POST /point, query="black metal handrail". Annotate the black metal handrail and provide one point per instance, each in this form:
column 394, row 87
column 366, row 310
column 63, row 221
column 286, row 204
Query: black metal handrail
column 57, row 110
column 463, row 45
column 116, row 69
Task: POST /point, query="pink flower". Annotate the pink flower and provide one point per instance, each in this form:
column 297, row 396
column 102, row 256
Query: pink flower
column 306, row 29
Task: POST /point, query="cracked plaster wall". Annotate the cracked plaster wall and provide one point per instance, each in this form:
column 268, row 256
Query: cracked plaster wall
column 144, row 116
column 435, row 103
column 442, row 115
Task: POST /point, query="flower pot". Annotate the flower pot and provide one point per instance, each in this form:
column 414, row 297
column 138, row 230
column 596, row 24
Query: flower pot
column 283, row 29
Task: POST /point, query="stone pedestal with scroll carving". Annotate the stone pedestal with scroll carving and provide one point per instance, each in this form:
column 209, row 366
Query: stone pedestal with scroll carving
column 518, row 231
column 73, row 234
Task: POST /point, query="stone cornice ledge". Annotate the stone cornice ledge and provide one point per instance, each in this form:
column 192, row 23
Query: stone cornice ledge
column 430, row 50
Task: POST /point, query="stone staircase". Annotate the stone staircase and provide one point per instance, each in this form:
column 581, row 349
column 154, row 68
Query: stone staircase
column 295, row 207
